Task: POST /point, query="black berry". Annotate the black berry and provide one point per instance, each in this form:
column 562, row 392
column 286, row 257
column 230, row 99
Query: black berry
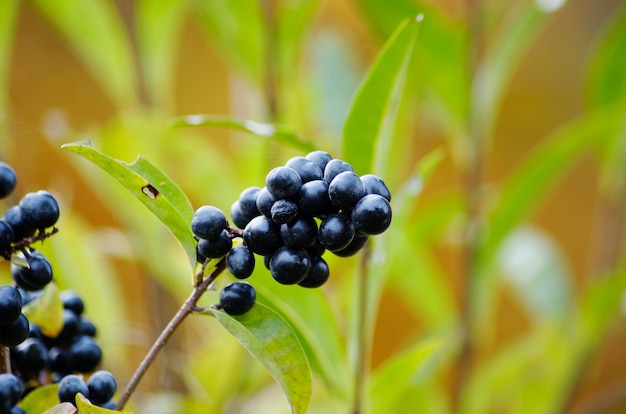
column 237, row 298
column 31, row 356
column 10, row 305
column 71, row 385
column 318, row 275
column 13, row 217
column 247, row 202
column 39, row 209
column 15, row 333
column 264, row 202
column 375, row 185
column 372, row 214
column 307, row 169
column 355, row 245
column 85, row 354
column 301, row 232
column 321, row 158
column 283, row 182
column 262, row 235
column 284, row 211
column 290, row 265
column 240, row 262
column 334, row 168
column 336, row 232
column 73, row 302
column 8, row 179
column 6, row 236
column 208, row 222
column 102, row 387
column 215, row 248
column 237, row 215
column 10, row 392
column 34, row 277
column 345, row 190
column 313, row 199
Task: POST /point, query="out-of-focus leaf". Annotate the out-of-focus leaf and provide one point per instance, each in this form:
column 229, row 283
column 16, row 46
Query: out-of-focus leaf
column 537, row 272
column 152, row 188
column 46, row 311
column 86, row 407
column 369, row 128
column 64, row 408
column 272, row 341
column 605, row 78
column 238, row 31
column 159, row 25
column 293, row 19
column 41, row 399
column 8, row 18
column 96, row 33
column 406, row 369
column 259, row 129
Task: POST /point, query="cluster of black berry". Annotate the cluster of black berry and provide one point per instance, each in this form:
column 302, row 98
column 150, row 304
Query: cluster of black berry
column 36, row 358
column 308, row 206
column 98, row 389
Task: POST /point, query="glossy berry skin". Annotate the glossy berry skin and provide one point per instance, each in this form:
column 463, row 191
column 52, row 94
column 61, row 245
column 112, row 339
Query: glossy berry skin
column 247, row 202
column 237, row 215
column 240, row 262
column 283, row 182
column 15, row 333
column 6, row 236
column 262, row 236
column 334, row 168
column 237, row 298
column 40, row 209
column 10, row 305
column 313, row 199
column 321, row 158
column 264, row 202
column 70, row 328
column 37, row 276
column 59, row 360
column 375, row 185
column 71, row 385
column 372, row 214
column 208, row 222
column 284, row 211
column 308, row 170
column 31, row 356
column 84, row 354
column 345, row 190
column 10, row 392
column 8, row 179
column 318, row 275
column 13, row 217
column 336, row 232
column 353, row 248
column 102, row 387
column 213, row 249
column 301, row 232
column 290, row 265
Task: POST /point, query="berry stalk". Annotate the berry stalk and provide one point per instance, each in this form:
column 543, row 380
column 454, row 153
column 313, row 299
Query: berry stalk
column 5, row 360
column 188, row 307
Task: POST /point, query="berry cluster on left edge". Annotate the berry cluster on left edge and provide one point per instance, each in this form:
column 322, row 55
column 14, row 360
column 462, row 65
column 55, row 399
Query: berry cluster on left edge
column 311, row 205
column 37, row 359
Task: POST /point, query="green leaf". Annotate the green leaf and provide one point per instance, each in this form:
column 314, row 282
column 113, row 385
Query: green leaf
column 605, row 76
column 159, row 28
column 368, row 130
column 272, row 341
column 96, row 33
column 46, row 311
column 86, row 407
column 152, row 188
column 406, row 368
column 258, row 129
column 43, row 398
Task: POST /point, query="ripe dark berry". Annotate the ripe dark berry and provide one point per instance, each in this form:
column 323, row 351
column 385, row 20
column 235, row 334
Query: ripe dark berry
column 372, row 214
column 375, row 185
column 8, row 179
column 213, row 249
column 355, row 245
column 40, row 209
column 237, row 298
column 10, row 305
column 262, row 236
column 321, row 158
column 73, row 302
column 85, row 354
column 247, row 202
column 208, row 222
column 31, row 356
column 318, row 275
column 264, row 202
column 308, row 170
column 283, row 182
column 345, row 190
column 6, row 236
column 301, row 232
column 59, row 361
column 10, row 392
column 336, row 232
column 71, row 385
column 313, row 199
column 17, row 410
column 240, row 262
column 237, row 215
column 284, row 211
column 70, row 327
column 13, row 217
column 102, row 387
column 34, row 277
column 290, row 265
column 15, row 333
column 86, row 327
column 334, row 168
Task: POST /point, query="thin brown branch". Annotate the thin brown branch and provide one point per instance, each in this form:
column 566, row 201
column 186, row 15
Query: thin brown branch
column 5, row 360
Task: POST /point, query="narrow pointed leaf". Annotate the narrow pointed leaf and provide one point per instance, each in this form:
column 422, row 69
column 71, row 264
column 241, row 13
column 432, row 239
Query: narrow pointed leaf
column 369, row 127
column 272, row 341
column 86, row 407
column 46, row 311
column 42, row 399
column 152, row 188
